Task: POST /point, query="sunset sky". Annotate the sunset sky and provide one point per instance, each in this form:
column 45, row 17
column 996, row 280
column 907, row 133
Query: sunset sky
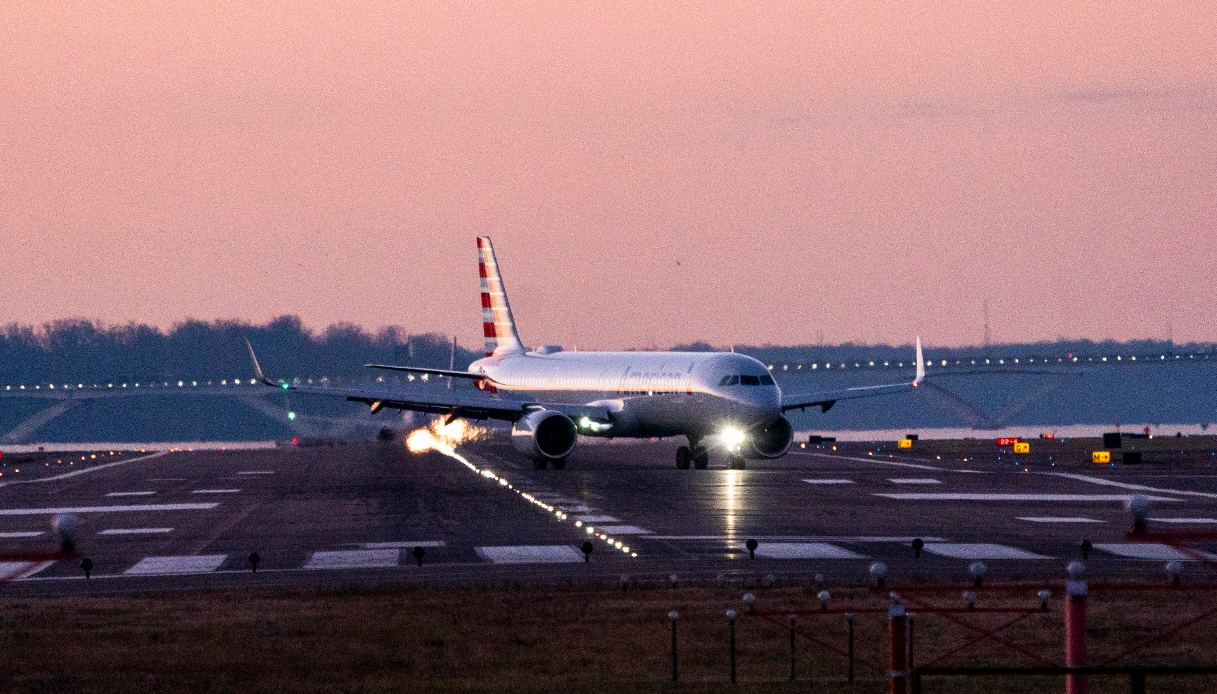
column 651, row 173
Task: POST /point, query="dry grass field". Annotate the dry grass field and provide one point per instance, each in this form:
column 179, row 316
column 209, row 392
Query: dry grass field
column 465, row 640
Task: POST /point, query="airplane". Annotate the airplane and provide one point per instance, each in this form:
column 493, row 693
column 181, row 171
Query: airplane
column 551, row 397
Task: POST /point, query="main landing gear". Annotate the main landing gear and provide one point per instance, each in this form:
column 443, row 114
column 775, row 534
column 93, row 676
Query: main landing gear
column 697, row 456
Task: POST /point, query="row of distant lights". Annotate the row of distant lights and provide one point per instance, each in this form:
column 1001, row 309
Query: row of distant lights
column 999, row 362
column 59, row 461
column 1204, row 356
column 558, row 513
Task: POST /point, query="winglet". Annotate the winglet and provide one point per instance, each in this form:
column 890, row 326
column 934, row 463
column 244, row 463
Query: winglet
column 257, row 367
column 920, row 377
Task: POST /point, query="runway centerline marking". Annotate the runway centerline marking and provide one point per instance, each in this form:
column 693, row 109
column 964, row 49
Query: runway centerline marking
column 1059, row 519
column 804, row 538
column 598, row 519
column 21, row 533
column 530, row 554
column 947, row 496
column 256, row 472
column 131, row 508
column 624, row 530
column 135, row 531
column 354, row 559
column 979, row 550
column 804, row 550
column 188, row 564
column 144, row 493
column 22, row 569
column 913, row 480
column 868, row 459
column 87, row 470
column 215, row 491
column 1125, row 485
column 1194, row 521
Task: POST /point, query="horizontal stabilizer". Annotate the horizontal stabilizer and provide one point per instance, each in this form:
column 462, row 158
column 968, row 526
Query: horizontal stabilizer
column 450, row 373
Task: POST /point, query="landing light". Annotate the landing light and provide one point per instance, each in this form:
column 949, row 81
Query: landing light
column 732, row 437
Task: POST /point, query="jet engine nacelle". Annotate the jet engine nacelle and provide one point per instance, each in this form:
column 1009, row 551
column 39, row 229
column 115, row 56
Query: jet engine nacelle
column 544, row 434
column 771, row 440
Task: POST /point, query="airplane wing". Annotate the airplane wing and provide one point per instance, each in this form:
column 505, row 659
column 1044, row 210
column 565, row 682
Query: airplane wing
column 450, row 373
column 825, row 399
column 471, row 405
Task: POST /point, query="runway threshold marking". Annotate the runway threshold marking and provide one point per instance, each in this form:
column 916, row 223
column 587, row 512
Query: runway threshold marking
column 354, row 559
column 623, row 530
column 1134, row 487
column 530, row 554
column 256, row 472
column 403, row 544
column 869, row 459
column 22, row 569
column 87, row 470
column 828, row 481
column 215, row 491
column 21, row 533
column 135, row 531
column 1188, row 521
column 805, row 550
column 913, row 480
column 948, row 496
column 188, row 564
column 598, row 519
column 131, row 508
column 143, row 493
column 1149, row 551
column 803, row 538
column 1059, row 519
column 979, row 550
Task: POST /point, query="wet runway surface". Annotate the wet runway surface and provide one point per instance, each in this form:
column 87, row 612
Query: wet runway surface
column 355, row 514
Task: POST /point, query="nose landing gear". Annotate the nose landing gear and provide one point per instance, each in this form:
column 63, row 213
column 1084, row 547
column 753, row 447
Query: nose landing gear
column 694, row 454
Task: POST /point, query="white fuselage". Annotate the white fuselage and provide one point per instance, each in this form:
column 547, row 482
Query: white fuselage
column 647, row 393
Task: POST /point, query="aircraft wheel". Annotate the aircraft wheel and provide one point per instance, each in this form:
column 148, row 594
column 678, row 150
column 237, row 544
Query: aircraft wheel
column 540, row 463
column 558, row 463
column 736, row 463
column 701, row 459
column 683, row 457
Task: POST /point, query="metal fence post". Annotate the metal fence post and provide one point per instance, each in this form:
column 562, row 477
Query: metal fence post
column 898, row 643
column 849, row 623
column 672, row 617
column 791, row 621
column 731, row 640
column 1076, row 645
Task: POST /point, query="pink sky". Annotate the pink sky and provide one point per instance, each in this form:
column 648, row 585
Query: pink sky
column 651, row 173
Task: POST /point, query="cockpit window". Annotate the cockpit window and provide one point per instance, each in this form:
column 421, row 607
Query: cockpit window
column 729, row 381
column 767, row 380
column 750, row 380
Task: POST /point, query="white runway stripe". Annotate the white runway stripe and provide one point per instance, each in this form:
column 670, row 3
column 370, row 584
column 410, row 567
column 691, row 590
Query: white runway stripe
column 130, row 493
column 86, row 470
column 928, row 496
column 215, row 491
column 1187, row 521
column 979, row 550
column 133, row 508
column 354, row 559
column 192, row 564
column 913, row 480
column 135, row 531
column 623, row 530
column 256, row 472
column 22, row 569
column 1149, row 551
column 598, row 519
column 826, row 481
column 797, row 538
column 1059, row 519
column 530, row 554
column 1134, row 487
column 21, row 533
column 803, row 550
column 404, row 544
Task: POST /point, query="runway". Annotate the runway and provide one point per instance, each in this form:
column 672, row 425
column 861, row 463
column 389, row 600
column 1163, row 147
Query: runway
column 330, row 516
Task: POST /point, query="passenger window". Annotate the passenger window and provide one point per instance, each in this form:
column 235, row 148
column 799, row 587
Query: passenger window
column 750, row 380
column 767, row 380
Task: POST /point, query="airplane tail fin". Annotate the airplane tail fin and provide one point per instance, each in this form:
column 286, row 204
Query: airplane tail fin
column 498, row 325
column 919, row 378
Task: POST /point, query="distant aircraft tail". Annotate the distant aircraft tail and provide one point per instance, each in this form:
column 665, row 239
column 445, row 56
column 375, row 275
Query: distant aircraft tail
column 497, row 323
